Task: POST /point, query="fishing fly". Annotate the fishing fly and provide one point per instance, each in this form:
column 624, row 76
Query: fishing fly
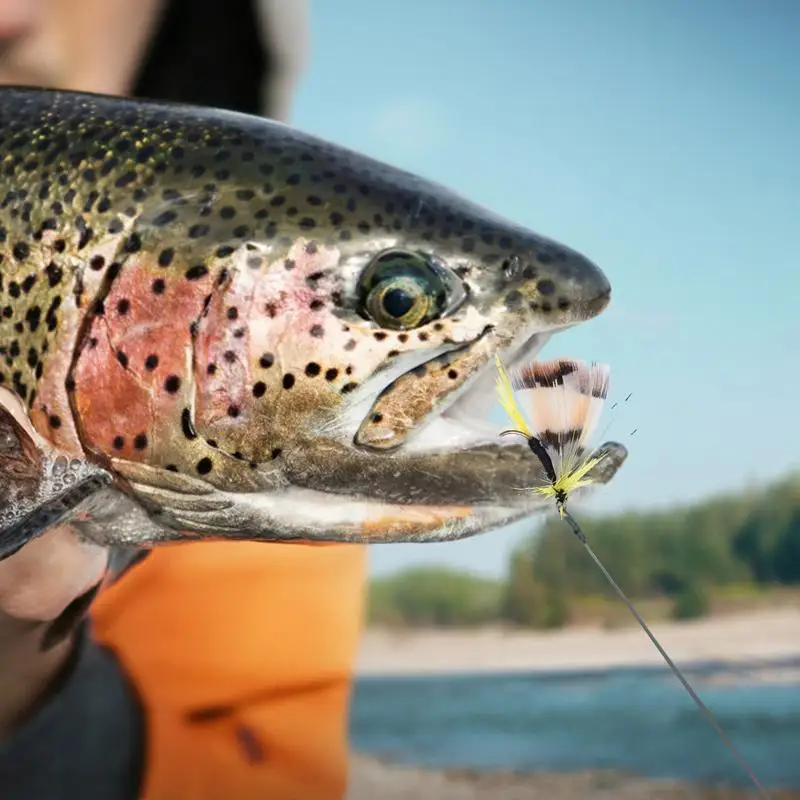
column 565, row 401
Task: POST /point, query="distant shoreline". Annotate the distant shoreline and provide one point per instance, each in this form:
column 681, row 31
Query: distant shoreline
column 762, row 639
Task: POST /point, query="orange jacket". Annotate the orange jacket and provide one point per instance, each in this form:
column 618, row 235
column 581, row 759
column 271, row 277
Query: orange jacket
column 243, row 655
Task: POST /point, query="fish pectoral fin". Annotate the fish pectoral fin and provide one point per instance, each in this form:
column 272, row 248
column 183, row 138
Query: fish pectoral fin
column 39, row 486
column 612, row 456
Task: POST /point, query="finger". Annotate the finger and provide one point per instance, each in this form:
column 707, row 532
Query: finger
column 41, row 580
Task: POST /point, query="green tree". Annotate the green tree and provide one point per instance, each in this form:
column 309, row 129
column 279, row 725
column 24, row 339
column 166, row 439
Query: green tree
column 521, row 595
column 691, row 602
column 434, row 596
column 683, row 553
column 531, row 602
column 766, row 541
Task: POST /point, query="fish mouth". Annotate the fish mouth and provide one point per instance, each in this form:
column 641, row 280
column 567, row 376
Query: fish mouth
column 447, row 465
column 463, row 423
column 442, row 403
column 453, row 477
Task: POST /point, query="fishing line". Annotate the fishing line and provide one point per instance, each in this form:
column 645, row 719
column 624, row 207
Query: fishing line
column 706, row 711
column 579, row 388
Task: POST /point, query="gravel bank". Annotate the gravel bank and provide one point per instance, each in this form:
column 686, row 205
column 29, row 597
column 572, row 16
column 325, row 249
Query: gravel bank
column 747, row 637
column 372, row 779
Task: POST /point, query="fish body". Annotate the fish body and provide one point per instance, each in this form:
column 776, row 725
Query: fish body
column 258, row 334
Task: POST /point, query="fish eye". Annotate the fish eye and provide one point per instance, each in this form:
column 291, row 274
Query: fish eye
column 401, row 289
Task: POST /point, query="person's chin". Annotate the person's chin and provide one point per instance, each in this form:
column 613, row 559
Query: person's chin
column 23, row 65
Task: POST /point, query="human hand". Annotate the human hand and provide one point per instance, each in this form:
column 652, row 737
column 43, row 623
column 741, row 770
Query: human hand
column 46, row 585
column 88, row 45
column 38, row 582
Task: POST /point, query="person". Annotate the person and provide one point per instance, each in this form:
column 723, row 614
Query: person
column 205, row 670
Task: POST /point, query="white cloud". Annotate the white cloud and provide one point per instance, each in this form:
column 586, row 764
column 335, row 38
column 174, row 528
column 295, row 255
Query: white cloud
column 409, row 127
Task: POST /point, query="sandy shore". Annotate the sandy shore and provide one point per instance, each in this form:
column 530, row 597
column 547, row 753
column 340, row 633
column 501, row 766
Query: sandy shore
column 770, row 635
column 371, row 779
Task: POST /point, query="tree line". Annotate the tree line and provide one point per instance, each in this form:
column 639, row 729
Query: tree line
column 681, row 555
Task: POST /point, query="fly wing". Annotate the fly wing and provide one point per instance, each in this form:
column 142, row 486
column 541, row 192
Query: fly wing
column 39, row 487
column 564, row 399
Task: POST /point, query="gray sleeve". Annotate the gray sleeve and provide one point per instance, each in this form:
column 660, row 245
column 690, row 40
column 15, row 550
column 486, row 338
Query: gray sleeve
column 87, row 741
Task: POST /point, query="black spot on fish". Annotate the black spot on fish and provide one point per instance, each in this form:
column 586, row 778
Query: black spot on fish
column 164, row 218
column 546, row 286
column 513, row 299
column 187, row 426
column 165, row 257
column 54, row 274
column 133, row 243
column 198, row 230
column 196, row 272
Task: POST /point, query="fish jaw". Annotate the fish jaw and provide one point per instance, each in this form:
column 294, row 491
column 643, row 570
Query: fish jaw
column 298, row 513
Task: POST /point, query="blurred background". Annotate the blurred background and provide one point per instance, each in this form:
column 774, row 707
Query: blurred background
column 661, row 140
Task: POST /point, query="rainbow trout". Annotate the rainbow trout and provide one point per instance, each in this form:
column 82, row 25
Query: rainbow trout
column 212, row 324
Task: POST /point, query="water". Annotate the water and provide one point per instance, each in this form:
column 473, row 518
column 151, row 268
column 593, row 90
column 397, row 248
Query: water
column 636, row 720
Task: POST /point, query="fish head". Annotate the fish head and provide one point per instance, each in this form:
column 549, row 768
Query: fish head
column 405, row 323
column 264, row 335
column 342, row 372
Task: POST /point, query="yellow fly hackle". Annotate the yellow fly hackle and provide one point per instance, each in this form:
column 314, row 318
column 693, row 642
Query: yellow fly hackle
column 508, row 400
column 571, row 479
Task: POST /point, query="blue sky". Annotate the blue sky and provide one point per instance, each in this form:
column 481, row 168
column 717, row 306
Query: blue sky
column 662, row 139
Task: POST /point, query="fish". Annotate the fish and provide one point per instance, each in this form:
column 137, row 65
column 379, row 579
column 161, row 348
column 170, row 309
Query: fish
column 213, row 325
